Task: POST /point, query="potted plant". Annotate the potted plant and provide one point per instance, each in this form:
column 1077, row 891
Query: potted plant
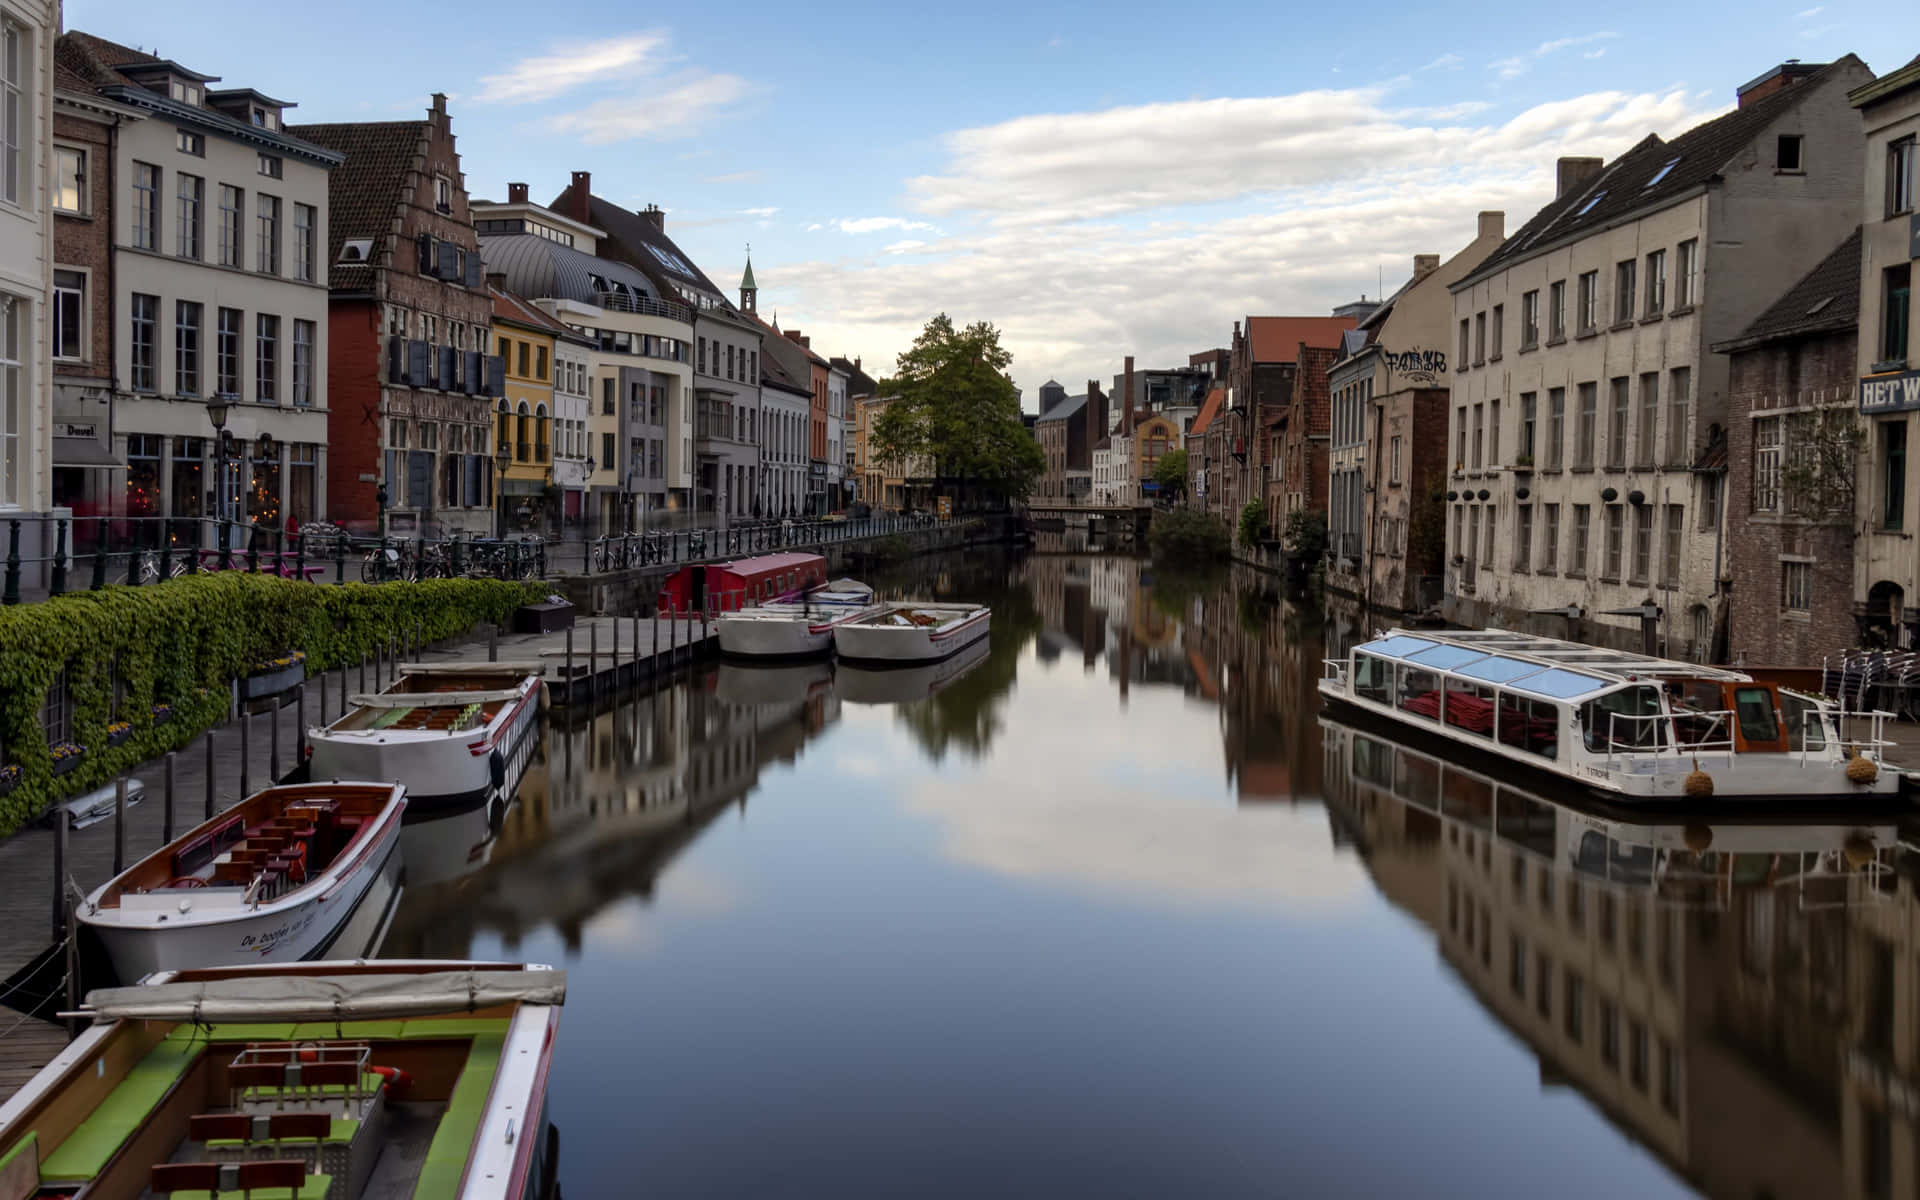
column 9, row 777
column 118, row 732
column 1523, row 464
column 66, row 756
column 162, row 713
column 274, row 676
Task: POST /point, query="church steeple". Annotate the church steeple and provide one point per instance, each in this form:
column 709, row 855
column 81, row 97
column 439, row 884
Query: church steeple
column 749, row 294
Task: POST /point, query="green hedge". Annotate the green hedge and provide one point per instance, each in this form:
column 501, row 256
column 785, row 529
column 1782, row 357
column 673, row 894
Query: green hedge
column 181, row 643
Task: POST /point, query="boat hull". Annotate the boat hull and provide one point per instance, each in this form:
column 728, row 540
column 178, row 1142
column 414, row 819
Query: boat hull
column 906, row 645
column 442, row 773
column 304, row 925
column 769, row 634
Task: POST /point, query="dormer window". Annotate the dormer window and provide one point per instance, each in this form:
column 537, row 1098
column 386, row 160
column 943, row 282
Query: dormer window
column 265, row 118
column 184, row 92
column 357, row 250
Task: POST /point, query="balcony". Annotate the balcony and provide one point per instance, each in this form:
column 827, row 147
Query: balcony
column 645, row 306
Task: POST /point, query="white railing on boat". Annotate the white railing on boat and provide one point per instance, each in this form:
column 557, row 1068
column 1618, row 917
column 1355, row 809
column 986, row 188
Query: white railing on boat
column 1873, row 746
column 1336, row 670
column 1648, row 741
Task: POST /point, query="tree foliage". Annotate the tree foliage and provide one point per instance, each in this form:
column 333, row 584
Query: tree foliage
column 1822, row 463
column 1306, row 534
column 1187, row 535
column 1253, row 522
column 1170, row 472
column 954, row 408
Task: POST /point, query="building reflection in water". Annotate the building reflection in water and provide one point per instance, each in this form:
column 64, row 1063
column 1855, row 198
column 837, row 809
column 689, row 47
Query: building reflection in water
column 1738, row 997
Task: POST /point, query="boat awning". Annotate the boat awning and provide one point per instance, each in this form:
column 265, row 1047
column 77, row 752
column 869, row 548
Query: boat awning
column 430, row 699
column 280, row 997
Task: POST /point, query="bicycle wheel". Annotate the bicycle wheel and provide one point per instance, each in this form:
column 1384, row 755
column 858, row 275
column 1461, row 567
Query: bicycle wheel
column 370, row 570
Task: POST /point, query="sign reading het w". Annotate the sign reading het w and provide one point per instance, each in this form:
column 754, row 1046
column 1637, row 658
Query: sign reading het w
column 1890, row 393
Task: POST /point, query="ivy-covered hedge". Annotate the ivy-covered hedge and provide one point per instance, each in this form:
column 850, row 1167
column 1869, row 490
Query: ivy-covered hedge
column 179, row 644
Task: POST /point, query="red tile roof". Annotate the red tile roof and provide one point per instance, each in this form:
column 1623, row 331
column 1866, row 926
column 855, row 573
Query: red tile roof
column 1208, row 410
column 507, row 306
column 1277, row 339
column 365, row 193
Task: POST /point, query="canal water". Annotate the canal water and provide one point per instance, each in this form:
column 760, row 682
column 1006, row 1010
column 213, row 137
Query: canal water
column 1108, row 908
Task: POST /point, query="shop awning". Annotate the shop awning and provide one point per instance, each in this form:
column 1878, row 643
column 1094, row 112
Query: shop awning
column 83, row 452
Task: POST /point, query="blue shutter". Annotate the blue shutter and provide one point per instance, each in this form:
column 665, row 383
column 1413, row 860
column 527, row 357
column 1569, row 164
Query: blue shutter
column 419, row 363
column 474, row 266
column 447, row 354
column 497, row 376
column 474, row 480
column 475, row 385
column 420, row 480
column 448, row 261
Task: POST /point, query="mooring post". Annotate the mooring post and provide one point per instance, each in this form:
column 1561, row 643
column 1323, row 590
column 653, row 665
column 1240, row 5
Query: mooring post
column 363, row 678
column 119, row 824
column 593, row 661
column 73, row 969
column 493, row 641
column 246, row 727
column 569, row 691
column 209, row 775
column 166, row 824
column 273, row 744
column 300, row 721
column 636, row 648
column 614, row 628
column 653, row 663
column 60, row 826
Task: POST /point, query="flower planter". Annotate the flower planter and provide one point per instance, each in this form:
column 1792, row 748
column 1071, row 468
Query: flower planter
column 10, row 776
column 116, row 734
column 67, row 761
column 271, row 679
column 162, row 713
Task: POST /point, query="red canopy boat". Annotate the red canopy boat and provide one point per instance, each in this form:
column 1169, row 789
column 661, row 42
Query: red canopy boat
column 730, row 586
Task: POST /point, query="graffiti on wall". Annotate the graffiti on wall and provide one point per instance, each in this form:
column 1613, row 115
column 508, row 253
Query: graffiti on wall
column 1417, row 366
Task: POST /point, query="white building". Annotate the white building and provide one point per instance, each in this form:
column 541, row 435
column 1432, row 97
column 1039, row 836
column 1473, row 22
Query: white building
column 27, row 30
column 836, row 436
column 787, row 405
column 1582, row 347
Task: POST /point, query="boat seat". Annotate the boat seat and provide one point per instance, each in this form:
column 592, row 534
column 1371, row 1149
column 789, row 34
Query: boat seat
column 268, row 1179
column 169, row 1178
column 220, row 1127
column 453, row 1141
column 87, row 1150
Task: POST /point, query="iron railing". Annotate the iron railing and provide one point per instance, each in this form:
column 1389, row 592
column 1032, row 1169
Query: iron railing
column 643, row 305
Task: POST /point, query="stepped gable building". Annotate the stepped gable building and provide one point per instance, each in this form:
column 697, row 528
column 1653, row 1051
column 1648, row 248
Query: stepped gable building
column 411, row 364
column 1588, row 412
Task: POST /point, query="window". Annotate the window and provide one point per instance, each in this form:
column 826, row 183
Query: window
column 1709, row 502
column 701, row 354
column 1893, row 473
column 540, row 362
column 266, row 360
column 15, row 60
column 1897, row 312
column 186, row 347
column 142, row 345
column 1527, row 405
column 1679, row 395
column 1479, row 338
column 1589, row 301
column 1796, row 586
column 1543, row 984
column 267, row 254
column 69, row 315
column 226, row 354
column 1623, row 292
column 1522, row 537
column 1460, row 437
column 608, row 450
column 185, row 93
column 270, row 165
column 304, row 248
column 443, row 196
column 1649, row 419
column 1556, row 427
column 1637, row 1054
column 1549, row 537
column 1609, row 1022
column 1669, row 1077
column 1642, row 542
column 1616, row 532
column 1686, row 267
column 1493, row 433
column 1576, row 1015
column 1767, row 435
column 1557, row 310
column 1530, row 320
column 1486, row 542
column 521, row 367
column 1479, row 432
column 1465, row 343
column 1676, row 532
column 1786, row 152
column 12, row 388
column 191, row 192
column 232, row 214
column 69, row 180
column 146, row 205
column 1499, row 329
column 1900, row 176
column 1589, row 417
column 1617, row 413
column 188, row 142
column 303, row 336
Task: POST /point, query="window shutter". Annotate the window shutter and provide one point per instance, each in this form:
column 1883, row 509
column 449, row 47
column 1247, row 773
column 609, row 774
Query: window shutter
column 396, row 359
column 418, row 363
column 423, row 247
column 446, row 366
column 420, row 480
column 475, row 475
column 475, row 385
column 448, row 263
column 474, row 267
column 497, row 376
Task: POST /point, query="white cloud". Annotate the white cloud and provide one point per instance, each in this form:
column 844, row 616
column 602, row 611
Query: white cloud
column 1807, row 14
column 877, row 224
column 1520, row 64
column 1445, row 61
column 901, row 247
column 732, row 177
column 675, row 111
column 574, row 64
column 1600, row 53
column 759, row 212
column 815, row 226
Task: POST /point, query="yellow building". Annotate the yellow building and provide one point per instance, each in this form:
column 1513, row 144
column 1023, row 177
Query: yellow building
column 525, row 337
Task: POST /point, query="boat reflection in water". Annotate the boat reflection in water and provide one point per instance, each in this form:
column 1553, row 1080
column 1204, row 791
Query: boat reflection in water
column 1740, row 997
column 904, row 685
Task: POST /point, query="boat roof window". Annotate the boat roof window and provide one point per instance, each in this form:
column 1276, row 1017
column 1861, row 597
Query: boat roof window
column 1446, row 658
column 1500, row 670
column 1556, row 684
column 1399, row 646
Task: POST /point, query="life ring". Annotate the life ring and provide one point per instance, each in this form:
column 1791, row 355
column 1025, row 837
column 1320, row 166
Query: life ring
column 186, row 881
column 397, row 1080
column 497, row 768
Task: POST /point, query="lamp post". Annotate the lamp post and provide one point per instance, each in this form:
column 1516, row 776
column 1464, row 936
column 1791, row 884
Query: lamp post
column 586, row 488
column 217, row 414
column 502, row 459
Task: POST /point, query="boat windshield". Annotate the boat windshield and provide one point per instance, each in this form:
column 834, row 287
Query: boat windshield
column 1753, row 707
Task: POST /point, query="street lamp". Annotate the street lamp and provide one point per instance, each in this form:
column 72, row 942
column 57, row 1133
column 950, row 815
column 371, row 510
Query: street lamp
column 217, row 413
column 502, row 459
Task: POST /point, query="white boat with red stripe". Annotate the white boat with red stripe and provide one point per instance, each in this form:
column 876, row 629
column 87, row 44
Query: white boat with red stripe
column 911, row 632
column 457, row 735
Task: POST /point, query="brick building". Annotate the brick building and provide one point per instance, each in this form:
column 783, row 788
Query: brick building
column 1790, row 391
column 1257, row 427
column 1068, row 433
column 412, row 365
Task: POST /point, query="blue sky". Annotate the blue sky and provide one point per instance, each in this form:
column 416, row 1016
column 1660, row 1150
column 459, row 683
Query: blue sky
column 1097, row 181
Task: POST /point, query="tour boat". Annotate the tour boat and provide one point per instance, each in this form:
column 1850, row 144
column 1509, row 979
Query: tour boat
column 794, row 628
column 1622, row 726
column 730, row 586
column 459, row 736
column 333, row 1081
column 911, row 633
column 275, row 878
column 905, row 685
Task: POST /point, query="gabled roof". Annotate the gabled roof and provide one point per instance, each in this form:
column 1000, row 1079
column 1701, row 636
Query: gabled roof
column 1208, row 411
column 859, row 383
column 365, row 192
column 1066, row 408
column 1827, row 299
column 773, row 375
column 1277, row 339
column 515, row 310
column 653, row 251
column 1652, row 173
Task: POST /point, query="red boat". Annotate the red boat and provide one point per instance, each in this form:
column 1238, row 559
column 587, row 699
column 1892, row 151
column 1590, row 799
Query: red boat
column 731, row 586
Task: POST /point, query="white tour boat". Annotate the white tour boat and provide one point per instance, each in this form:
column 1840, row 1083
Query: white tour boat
column 458, row 736
column 907, row 685
column 1623, row 726
column 794, row 628
column 911, row 632
column 275, row 878
column 347, row 1080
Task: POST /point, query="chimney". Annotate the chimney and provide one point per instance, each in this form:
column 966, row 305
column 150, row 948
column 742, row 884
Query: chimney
column 582, row 195
column 856, row 362
column 1572, row 173
column 657, row 216
column 1096, row 416
column 1779, row 79
column 516, row 193
column 1494, row 224
column 439, row 108
column 497, row 280
column 1126, row 400
column 1425, row 265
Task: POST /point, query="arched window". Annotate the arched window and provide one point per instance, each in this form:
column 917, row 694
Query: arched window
column 523, row 450
column 506, row 423
column 541, row 435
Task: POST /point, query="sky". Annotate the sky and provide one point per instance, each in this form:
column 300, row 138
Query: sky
column 1096, row 181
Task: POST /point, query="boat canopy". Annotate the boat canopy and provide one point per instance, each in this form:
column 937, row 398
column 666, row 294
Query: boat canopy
column 1540, row 666
column 429, row 699
column 277, row 997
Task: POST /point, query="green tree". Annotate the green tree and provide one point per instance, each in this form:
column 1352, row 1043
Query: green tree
column 954, row 407
column 1188, row 536
column 1253, row 522
column 1171, row 472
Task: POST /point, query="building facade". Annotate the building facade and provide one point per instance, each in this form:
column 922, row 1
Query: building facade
column 1582, row 344
column 1887, row 580
column 413, row 376
column 836, row 436
column 1271, row 450
column 726, row 435
column 27, row 197
column 542, row 416
column 788, row 402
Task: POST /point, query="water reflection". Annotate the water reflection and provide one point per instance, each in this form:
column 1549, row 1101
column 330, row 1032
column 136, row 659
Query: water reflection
column 1105, row 904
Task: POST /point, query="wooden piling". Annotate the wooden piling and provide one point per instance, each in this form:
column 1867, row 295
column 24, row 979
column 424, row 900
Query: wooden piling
column 493, row 641
column 300, row 723
column 273, row 744
column 119, row 824
column 593, row 661
column 166, row 824
column 60, row 830
column 246, row 729
column 569, row 691
column 209, row 775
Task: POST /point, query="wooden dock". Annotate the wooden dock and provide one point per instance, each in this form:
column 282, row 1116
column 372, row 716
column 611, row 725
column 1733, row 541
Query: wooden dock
column 26, row 1045
column 600, row 655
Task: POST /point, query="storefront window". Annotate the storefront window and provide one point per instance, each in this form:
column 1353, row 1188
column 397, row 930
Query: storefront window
column 263, row 495
column 143, row 474
column 302, row 480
